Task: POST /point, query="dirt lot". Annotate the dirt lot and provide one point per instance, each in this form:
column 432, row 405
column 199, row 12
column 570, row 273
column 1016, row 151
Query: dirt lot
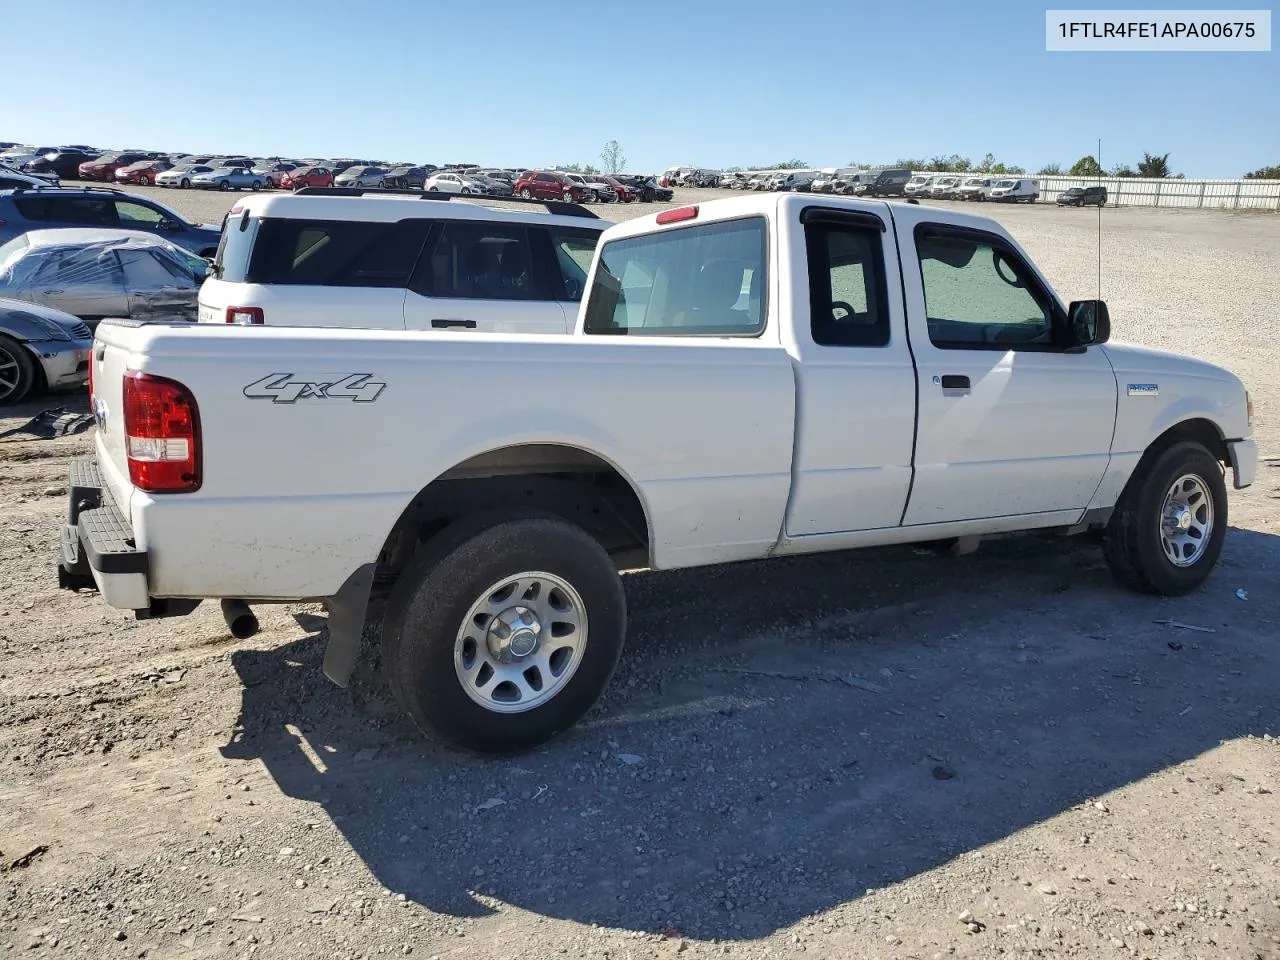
column 1031, row 761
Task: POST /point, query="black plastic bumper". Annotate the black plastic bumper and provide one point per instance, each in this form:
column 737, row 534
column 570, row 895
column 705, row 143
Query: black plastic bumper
column 97, row 535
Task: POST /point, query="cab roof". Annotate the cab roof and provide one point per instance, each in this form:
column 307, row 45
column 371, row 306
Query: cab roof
column 782, row 205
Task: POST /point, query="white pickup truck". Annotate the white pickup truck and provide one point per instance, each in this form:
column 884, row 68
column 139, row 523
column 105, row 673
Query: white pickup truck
column 753, row 377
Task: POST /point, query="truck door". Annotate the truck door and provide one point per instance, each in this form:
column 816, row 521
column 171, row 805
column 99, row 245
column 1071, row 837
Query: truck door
column 855, row 385
column 1010, row 424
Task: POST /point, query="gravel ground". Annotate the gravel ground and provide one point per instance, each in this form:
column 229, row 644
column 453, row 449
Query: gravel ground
column 878, row 754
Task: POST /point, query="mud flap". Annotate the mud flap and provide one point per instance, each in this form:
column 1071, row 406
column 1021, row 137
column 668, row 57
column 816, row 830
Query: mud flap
column 347, row 610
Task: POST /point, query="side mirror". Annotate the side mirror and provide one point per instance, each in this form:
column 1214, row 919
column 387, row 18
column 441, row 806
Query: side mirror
column 1088, row 322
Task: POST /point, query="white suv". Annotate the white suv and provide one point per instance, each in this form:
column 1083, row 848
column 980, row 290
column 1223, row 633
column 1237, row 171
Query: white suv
column 394, row 262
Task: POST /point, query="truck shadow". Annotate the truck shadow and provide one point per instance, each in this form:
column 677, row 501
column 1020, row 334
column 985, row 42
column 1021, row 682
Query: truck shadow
column 781, row 737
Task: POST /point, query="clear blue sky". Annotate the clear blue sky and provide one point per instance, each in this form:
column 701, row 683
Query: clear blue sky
column 709, row 83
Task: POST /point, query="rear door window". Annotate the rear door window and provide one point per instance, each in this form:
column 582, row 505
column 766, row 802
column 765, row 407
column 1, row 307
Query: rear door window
column 91, row 266
column 82, row 211
column 573, row 250
column 480, row 261
column 335, row 253
column 133, row 214
column 143, row 270
column 847, row 296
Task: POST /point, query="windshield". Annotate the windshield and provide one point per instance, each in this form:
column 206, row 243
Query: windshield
column 1004, row 183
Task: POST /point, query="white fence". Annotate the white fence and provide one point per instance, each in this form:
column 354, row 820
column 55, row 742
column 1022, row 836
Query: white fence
column 1141, row 191
column 1152, row 192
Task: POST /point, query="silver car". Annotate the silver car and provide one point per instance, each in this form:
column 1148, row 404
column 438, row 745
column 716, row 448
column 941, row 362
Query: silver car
column 229, row 178
column 93, row 273
column 40, row 347
column 360, row 176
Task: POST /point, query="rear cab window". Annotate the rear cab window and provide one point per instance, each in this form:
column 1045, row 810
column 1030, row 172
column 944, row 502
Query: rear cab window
column 700, row 280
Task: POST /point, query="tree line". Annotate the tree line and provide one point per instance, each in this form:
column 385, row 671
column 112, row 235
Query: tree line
column 1151, row 165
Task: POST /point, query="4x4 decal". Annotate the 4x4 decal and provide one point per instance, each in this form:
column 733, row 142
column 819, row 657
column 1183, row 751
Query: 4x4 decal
column 282, row 388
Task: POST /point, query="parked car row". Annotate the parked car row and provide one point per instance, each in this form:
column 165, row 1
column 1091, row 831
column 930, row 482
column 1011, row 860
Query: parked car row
column 849, row 181
column 959, row 186
column 49, row 165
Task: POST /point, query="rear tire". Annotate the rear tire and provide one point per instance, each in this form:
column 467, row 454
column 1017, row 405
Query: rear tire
column 17, row 371
column 1146, row 548
column 432, row 631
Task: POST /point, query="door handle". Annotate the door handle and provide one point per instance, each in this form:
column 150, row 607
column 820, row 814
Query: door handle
column 954, row 381
column 440, row 323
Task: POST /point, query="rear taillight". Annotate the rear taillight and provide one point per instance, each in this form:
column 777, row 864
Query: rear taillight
column 245, row 316
column 162, row 434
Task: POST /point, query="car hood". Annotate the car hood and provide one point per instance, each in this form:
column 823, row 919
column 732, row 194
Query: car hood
column 65, row 320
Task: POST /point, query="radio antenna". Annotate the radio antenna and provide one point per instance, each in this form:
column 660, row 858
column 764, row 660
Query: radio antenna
column 1099, row 158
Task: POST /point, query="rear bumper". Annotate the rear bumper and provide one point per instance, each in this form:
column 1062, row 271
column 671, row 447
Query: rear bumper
column 98, row 548
column 1244, row 462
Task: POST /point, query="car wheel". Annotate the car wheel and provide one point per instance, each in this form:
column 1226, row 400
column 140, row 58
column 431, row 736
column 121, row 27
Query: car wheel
column 185, row 184
column 466, row 191
column 504, row 633
column 433, row 190
column 17, row 371
column 224, row 185
column 525, row 194
column 1167, row 530
column 255, row 186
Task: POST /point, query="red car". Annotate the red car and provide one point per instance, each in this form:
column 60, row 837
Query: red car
column 143, row 172
column 544, row 185
column 307, row 177
column 625, row 194
column 105, row 167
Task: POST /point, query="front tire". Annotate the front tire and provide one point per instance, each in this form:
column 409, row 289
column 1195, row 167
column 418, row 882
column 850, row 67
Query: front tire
column 498, row 638
column 1167, row 530
column 17, row 371
column 224, row 185
column 185, row 184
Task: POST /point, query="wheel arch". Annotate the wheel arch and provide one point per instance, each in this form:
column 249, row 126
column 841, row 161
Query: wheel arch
column 1198, row 429
column 580, row 485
